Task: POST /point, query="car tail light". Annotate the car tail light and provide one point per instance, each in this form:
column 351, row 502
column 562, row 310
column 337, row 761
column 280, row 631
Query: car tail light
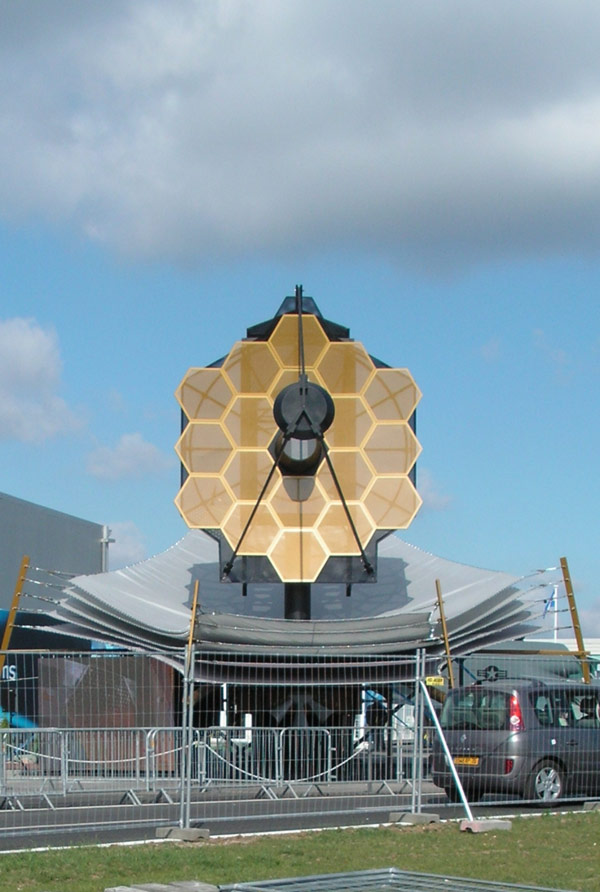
column 515, row 715
column 509, row 764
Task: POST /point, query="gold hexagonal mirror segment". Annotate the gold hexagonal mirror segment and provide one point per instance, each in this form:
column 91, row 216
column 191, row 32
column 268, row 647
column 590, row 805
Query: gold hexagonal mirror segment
column 336, row 532
column 297, row 555
column 345, row 368
column 297, row 502
column 251, row 367
column 392, row 395
column 352, row 472
column 260, row 533
column 203, row 502
column 285, row 342
column 204, row 394
column 281, row 381
column 351, row 424
column 247, row 472
column 249, row 421
column 392, row 502
column 392, row 448
column 204, row 447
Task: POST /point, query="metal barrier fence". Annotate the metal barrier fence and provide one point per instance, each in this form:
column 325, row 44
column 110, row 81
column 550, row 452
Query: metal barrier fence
column 66, row 760
column 63, row 760
column 107, row 739
column 278, row 757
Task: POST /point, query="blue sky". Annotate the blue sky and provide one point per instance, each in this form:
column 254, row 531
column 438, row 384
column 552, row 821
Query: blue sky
column 429, row 172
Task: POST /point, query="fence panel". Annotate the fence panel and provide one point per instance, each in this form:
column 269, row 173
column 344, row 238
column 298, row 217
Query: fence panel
column 97, row 739
column 88, row 740
column 301, row 739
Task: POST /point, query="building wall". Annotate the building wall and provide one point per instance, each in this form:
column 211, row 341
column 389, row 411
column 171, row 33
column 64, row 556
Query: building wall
column 51, row 539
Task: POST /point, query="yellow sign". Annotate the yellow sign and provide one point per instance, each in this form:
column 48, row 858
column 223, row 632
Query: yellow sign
column 435, row 681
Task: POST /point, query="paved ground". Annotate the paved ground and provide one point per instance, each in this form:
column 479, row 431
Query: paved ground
column 259, row 816
column 263, row 816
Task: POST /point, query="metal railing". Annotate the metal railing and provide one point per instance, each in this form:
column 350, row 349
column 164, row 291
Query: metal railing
column 285, row 757
column 66, row 759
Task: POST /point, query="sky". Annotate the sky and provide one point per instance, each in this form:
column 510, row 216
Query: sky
column 429, row 172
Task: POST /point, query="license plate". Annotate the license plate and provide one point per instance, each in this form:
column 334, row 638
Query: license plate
column 466, row 760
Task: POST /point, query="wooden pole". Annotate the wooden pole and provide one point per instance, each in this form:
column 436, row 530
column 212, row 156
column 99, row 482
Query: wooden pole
column 581, row 651
column 12, row 613
column 440, row 601
column 193, row 616
column 188, row 661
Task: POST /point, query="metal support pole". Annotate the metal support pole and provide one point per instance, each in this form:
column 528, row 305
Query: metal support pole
column 184, row 748
column 417, row 766
column 187, row 733
column 389, row 724
column 105, row 541
column 189, row 743
column 446, row 749
column 187, row 720
column 3, row 747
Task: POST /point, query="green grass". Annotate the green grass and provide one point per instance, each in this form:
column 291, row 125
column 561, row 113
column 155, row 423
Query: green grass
column 559, row 851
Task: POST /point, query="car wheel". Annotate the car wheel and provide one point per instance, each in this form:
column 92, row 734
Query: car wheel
column 546, row 783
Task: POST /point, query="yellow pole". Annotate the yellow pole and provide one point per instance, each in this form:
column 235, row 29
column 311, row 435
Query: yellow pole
column 581, row 651
column 192, row 623
column 440, row 601
column 10, row 619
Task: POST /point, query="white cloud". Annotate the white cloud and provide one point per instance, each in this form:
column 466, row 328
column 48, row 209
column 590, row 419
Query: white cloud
column 131, row 457
column 430, row 132
column 434, row 499
column 129, row 546
column 31, row 409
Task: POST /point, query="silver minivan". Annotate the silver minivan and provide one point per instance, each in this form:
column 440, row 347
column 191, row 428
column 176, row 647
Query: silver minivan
column 536, row 739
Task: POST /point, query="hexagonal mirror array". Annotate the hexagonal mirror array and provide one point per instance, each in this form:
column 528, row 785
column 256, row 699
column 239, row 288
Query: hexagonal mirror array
column 301, row 522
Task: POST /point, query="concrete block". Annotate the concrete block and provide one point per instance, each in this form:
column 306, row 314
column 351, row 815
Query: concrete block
column 151, row 887
column 193, row 886
column 485, row 825
column 592, row 805
column 407, row 817
column 124, row 889
column 182, row 886
column 143, row 887
column 120, row 889
column 185, row 834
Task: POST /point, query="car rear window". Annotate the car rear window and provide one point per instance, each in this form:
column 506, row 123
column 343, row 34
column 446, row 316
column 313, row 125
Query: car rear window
column 476, row 709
